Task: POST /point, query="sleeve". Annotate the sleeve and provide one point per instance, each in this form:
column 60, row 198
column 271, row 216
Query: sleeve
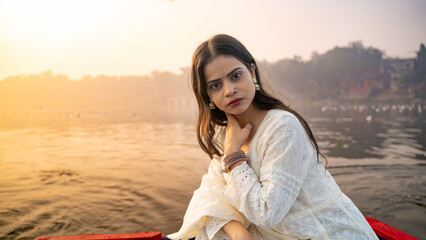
column 267, row 198
column 214, row 227
column 208, row 202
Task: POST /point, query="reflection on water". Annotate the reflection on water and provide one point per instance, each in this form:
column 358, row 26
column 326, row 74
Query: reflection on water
column 380, row 139
column 394, row 194
column 139, row 176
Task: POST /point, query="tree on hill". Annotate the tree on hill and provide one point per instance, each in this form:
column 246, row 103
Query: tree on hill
column 322, row 76
column 419, row 76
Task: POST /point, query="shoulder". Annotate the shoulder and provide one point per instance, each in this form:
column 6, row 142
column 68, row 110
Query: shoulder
column 285, row 130
column 283, row 114
column 283, row 127
column 280, row 119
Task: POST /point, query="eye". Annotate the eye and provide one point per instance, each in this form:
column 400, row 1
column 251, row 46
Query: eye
column 236, row 75
column 214, row 86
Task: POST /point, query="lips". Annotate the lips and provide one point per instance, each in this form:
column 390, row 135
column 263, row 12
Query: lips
column 234, row 101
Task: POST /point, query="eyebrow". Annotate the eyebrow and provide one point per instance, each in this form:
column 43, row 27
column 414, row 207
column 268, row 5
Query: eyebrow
column 227, row 75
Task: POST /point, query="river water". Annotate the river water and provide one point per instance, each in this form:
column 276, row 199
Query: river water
column 77, row 174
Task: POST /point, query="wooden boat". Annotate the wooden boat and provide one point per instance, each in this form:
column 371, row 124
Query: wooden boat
column 383, row 231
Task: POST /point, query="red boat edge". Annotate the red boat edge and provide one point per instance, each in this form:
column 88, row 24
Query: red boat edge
column 155, row 235
column 387, row 232
column 382, row 230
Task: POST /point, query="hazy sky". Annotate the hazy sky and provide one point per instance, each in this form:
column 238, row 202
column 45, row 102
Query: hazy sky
column 123, row 37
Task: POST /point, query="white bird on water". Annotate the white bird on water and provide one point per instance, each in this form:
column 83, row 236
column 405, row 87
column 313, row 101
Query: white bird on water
column 368, row 118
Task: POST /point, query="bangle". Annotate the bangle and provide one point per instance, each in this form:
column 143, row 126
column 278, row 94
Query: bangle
column 234, row 155
column 229, row 166
column 234, row 158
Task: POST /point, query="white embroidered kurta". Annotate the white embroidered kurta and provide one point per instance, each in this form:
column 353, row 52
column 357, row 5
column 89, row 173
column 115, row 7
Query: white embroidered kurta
column 282, row 192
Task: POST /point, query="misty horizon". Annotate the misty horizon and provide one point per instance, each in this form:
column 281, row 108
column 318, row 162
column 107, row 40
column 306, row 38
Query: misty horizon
column 336, row 74
column 314, row 54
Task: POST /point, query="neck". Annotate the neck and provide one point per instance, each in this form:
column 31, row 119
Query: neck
column 253, row 116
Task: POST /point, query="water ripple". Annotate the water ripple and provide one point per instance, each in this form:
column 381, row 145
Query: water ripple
column 84, row 178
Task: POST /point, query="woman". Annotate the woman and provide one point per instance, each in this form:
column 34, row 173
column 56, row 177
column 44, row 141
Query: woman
column 266, row 179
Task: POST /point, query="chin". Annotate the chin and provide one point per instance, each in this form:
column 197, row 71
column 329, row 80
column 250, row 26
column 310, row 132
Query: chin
column 237, row 111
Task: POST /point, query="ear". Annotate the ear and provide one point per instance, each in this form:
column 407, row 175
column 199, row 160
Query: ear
column 252, row 69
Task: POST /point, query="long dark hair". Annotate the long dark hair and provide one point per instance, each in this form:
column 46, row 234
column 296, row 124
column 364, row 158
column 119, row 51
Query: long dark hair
column 208, row 119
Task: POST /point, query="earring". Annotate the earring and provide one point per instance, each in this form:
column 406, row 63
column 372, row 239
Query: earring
column 256, row 86
column 211, row 105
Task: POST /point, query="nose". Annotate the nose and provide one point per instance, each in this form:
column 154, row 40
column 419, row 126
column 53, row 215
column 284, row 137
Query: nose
column 229, row 88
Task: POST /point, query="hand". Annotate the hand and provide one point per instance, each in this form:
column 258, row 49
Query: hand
column 236, row 231
column 235, row 135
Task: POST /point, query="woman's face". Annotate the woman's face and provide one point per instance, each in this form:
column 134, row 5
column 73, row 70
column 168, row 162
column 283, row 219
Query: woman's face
column 229, row 84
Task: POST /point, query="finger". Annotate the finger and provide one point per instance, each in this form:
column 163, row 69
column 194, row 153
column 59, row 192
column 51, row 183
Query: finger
column 247, row 127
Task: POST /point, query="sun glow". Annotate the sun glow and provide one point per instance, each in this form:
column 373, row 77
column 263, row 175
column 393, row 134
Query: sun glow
column 59, row 35
column 91, row 37
column 50, row 20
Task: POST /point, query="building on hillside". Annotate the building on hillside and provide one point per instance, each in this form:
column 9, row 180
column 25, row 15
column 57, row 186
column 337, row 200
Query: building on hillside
column 384, row 84
column 397, row 69
column 359, row 87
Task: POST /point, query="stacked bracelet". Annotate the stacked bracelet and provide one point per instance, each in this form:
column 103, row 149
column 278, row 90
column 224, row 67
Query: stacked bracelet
column 233, row 158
